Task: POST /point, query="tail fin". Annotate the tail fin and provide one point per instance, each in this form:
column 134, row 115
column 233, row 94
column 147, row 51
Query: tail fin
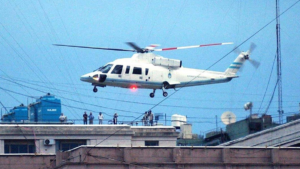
column 237, row 63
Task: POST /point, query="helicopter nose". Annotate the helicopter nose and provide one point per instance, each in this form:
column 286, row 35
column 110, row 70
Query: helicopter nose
column 86, row 78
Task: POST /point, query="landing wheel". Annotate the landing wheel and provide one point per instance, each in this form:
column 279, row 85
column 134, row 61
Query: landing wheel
column 165, row 94
column 151, row 95
column 95, row 89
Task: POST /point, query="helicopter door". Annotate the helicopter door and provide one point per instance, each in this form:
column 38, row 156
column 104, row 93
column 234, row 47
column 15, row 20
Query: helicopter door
column 126, row 74
column 116, row 75
column 137, row 74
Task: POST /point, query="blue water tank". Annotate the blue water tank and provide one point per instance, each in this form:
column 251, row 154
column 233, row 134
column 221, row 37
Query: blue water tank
column 8, row 117
column 45, row 109
column 17, row 114
column 21, row 113
column 32, row 109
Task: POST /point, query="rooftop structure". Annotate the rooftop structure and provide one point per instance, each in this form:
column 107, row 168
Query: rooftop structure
column 45, row 139
column 285, row 135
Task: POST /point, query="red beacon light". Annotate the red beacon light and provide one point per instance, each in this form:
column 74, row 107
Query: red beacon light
column 133, row 87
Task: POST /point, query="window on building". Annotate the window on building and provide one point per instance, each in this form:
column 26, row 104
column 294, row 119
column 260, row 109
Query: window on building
column 117, row 69
column 19, row 146
column 137, row 71
column 65, row 145
column 146, row 72
column 151, row 143
column 127, row 70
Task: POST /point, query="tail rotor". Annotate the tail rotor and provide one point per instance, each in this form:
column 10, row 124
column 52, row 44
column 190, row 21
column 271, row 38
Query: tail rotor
column 238, row 63
column 247, row 54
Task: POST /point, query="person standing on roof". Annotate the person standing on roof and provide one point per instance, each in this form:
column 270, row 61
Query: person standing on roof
column 150, row 115
column 62, row 118
column 85, row 116
column 115, row 119
column 100, row 117
column 91, row 118
column 145, row 119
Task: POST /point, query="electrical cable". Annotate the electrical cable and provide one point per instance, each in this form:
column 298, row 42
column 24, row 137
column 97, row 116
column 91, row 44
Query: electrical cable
column 142, row 103
column 271, row 98
column 267, row 85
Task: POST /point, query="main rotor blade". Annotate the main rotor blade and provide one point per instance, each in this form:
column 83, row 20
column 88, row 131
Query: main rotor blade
column 88, row 47
column 134, row 46
column 196, row 46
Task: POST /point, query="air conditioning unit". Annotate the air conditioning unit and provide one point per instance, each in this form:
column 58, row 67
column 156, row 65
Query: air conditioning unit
column 49, row 142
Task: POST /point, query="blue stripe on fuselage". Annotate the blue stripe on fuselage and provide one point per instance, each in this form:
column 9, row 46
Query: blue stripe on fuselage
column 159, row 84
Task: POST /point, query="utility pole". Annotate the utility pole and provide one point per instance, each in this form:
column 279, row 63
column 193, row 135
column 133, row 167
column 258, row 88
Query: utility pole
column 278, row 52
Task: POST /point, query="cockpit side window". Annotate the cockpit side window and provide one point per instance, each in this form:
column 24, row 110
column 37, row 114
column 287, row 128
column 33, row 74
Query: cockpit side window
column 117, row 69
column 105, row 69
column 137, row 71
column 146, row 72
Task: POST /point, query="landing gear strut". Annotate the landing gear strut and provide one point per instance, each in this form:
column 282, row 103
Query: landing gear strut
column 95, row 89
column 165, row 94
column 152, row 94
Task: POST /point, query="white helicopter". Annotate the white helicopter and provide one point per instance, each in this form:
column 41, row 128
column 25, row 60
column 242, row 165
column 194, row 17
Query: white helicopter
column 149, row 71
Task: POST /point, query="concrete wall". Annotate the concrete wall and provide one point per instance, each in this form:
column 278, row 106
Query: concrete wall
column 26, row 161
column 238, row 129
column 179, row 157
column 90, row 157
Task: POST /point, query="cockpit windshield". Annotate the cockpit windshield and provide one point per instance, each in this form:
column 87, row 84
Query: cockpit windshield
column 105, row 69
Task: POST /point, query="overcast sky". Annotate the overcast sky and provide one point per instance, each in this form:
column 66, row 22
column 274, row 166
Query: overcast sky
column 31, row 66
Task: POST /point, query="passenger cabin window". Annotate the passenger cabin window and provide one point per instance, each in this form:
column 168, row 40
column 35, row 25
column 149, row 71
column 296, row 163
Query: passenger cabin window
column 127, row 69
column 117, row 69
column 105, row 69
column 137, row 71
column 146, row 72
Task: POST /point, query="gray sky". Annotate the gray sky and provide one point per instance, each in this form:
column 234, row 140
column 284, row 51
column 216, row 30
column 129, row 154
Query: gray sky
column 31, row 66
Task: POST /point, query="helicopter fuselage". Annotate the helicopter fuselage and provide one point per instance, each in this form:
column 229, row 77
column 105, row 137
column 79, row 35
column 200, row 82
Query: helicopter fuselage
column 140, row 71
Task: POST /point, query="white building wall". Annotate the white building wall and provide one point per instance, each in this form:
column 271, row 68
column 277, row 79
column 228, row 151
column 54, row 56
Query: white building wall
column 45, row 149
column 94, row 135
column 1, row 146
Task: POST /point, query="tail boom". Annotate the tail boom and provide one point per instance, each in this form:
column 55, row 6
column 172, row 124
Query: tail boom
column 236, row 64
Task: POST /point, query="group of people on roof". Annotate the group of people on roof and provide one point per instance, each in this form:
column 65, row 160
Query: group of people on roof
column 148, row 118
column 91, row 118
